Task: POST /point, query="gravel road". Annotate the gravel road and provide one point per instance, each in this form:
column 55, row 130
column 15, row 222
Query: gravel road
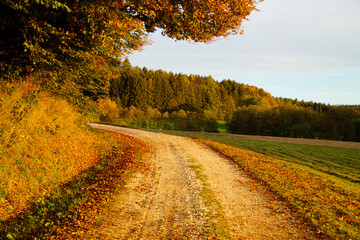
column 165, row 201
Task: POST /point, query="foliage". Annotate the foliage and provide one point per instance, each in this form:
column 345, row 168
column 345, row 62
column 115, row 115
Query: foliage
column 44, row 142
column 193, row 20
column 72, row 209
column 108, row 110
column 247, row 109
column 184, row 96
column 57, row 33
column 63, row 33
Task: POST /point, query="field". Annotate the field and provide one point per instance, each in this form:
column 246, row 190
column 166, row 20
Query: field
column 321, row 183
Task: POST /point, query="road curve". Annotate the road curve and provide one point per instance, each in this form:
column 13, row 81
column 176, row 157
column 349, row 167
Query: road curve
column 165, row 201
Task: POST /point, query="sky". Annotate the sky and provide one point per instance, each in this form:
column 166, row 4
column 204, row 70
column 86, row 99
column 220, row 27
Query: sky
column 306, row 50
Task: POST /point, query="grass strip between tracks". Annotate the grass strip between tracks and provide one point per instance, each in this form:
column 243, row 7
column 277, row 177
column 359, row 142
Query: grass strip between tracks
column 217, row 226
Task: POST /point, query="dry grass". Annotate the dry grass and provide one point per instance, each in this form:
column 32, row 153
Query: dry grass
column 44, row 142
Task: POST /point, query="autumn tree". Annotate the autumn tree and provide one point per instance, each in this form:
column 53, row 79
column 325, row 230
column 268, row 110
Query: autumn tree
column 108, row 110
column 58, row 32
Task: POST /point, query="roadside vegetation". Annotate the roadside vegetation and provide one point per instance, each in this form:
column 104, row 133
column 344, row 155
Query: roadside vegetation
column 50, row 161
column 44, row 142
column 71, row 208
column 320, row 183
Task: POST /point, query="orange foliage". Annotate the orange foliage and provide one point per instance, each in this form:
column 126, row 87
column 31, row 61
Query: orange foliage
column 44, row 142
column 108, row 110
column 50, row 33
column 193, row 20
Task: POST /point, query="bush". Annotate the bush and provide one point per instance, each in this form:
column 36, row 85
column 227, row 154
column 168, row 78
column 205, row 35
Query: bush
column 108, row 110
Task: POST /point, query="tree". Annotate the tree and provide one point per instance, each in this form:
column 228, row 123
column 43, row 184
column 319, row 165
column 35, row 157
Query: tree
column 59, row 32
column 181, row 114
column 108, row 110
column 192, row 19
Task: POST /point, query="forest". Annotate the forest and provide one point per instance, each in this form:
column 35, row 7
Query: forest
column 142, row 94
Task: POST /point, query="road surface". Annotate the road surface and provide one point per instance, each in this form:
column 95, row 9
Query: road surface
column 167, row 200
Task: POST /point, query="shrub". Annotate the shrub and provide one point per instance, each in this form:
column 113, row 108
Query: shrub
column 108, row 110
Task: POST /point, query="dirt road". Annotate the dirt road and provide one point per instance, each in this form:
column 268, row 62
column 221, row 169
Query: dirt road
column 170, row 200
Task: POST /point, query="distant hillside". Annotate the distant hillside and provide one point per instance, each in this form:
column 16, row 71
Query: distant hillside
column 202, row 97
column 142, row 94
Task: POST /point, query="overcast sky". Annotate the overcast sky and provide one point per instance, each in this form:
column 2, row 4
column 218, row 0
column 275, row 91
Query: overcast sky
column 306, row 49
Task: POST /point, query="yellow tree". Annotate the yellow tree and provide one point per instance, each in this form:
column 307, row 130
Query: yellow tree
column 51, row 32
column 194, row 20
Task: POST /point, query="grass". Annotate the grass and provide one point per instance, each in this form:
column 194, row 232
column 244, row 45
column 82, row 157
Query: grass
column 320, row 183
column 217, row 227
column 71, row 210
column 341, row 164
column 53, row 168
column 172, row 124
column 44, row 142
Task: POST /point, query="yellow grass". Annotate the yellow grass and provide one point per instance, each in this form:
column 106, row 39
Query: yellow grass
column 44, row 142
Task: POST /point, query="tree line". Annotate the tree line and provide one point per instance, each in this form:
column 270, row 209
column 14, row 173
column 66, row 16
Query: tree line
column 334, row 123
column 191, row 96
column 144, row 94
